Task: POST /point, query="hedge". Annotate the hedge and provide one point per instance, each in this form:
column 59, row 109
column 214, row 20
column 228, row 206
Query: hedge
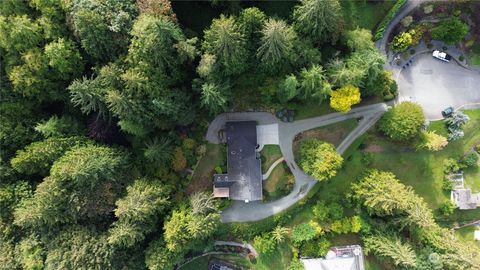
column 386, row 21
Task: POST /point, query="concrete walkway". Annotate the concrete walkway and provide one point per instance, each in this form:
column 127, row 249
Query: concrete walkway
column 253, row 211
column 269, row 171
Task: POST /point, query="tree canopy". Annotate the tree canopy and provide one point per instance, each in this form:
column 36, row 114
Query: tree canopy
column 403, row 121
column 319, row 159
column 319, row 20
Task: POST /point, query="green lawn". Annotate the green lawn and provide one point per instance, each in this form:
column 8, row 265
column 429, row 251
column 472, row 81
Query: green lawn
column 279, row 183
column 472, row 178
column 270, row 153
column 334, row 134
column 364, row 14
column 202, row 176
column 279, row 259
column 466, row 235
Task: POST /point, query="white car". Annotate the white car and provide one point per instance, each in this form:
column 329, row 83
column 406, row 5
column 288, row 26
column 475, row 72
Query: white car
column 441, row 55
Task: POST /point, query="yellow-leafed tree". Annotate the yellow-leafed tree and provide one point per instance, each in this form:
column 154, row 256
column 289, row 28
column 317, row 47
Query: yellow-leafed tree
column 344, row 98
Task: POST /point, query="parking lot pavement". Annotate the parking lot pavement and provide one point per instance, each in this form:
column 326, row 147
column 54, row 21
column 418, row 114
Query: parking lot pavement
column 436, row 85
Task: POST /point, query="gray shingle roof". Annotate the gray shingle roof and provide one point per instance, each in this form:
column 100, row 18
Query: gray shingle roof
column 244, row 173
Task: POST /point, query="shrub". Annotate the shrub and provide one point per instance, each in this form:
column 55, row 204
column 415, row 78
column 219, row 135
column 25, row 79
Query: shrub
column 412, row 51
column 451, row 31
column 461, row 58
column 218, row 170
column 447, row 185
column 431, row 141
column 303, row 232
column 407, row 21
column 335, row 211
column 401, row 42
column 320, row 211
column 265, row 244
column 403, row 122
column 429, row 45
column 477, row 148
column 428, row 9
column 447, row 208
column 470, row 160
column 316, row 248
column 388, row 18
column 450, row 165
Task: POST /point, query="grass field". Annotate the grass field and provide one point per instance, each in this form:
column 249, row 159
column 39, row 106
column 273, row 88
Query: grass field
column 270, row 153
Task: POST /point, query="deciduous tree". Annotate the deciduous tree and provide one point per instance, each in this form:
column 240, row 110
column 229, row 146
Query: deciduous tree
column 403, row 121
column 344, row 98
column 319, row 159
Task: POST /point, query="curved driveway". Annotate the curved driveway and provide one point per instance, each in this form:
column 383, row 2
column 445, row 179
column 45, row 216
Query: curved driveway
column 253, row 211
column 435, row 85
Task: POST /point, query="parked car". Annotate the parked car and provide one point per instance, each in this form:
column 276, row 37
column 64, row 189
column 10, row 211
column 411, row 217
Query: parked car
column 441, row 55
column 448, row 111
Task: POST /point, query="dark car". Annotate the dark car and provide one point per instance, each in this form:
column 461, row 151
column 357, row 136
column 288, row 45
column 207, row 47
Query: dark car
column 448, row 111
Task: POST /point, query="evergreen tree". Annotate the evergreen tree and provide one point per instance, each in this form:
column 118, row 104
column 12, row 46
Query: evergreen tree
column 320, row 20
column 225, row 40
column 400, row 253
column 137, row 212
column 275, row 51
column 314, row 84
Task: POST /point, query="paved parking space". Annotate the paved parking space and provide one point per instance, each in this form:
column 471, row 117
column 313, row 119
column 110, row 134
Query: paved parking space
column 267, row 134
column 435, row 85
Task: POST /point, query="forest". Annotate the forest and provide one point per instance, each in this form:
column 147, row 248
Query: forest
column 105, row 104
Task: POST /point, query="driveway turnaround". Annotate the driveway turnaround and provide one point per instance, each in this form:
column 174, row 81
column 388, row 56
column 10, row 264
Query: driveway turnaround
column 257, row 210
column 436, row 85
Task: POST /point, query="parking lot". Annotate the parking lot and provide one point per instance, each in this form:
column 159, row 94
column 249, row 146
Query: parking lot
column 435, row 85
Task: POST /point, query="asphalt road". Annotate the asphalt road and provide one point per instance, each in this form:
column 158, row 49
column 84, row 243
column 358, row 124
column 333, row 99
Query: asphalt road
column 436, row 85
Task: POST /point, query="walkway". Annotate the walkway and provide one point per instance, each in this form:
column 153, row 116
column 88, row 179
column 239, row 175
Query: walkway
column 253, row 211
column 269, row 171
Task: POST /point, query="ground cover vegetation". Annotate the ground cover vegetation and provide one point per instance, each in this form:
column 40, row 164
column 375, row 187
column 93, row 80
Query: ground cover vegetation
column 454, row 23
column 104, row 107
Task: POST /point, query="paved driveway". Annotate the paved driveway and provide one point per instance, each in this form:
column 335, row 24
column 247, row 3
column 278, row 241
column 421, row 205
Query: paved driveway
column 267, row 134
column 435, row 85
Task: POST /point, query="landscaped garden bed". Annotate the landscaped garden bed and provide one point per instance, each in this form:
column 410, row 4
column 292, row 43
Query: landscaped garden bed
column 455, row 23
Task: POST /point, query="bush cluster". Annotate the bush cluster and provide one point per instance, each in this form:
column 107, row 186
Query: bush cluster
column 386, row 21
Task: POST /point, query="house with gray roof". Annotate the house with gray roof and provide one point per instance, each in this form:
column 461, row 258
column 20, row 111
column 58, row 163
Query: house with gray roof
column 243, row 180
column 337, row 258
column 463, row 197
